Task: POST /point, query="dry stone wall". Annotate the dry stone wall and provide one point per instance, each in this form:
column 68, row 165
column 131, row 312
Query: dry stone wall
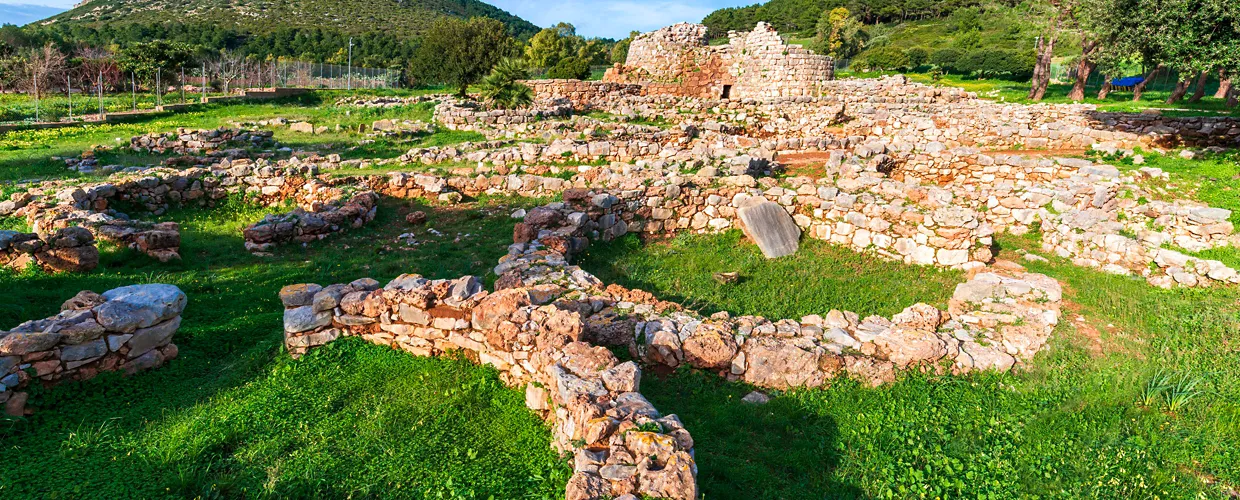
column 621, row 444
column 676, row 60
column 71, row 249
column 303, row 226
column 126, row 329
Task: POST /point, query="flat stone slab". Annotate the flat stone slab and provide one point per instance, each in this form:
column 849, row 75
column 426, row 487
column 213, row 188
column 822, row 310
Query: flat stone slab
column 769, row 225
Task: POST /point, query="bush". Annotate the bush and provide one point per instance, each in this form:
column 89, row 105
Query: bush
column 1006, row 64
column 884, row 58
column 917, row 56
column 946, row 59
column 573, row 68
column 502, row 88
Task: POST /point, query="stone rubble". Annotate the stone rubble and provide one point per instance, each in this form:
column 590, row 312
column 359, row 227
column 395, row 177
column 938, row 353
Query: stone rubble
column 126, row 329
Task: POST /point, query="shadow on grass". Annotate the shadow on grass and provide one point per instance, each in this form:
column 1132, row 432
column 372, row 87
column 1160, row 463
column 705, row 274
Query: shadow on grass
column 191, row 428
column 818, row 278
column 744, row 451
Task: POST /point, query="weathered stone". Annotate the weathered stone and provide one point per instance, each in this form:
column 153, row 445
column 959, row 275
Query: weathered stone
column 139, row 306
column 770, row 227
column 304, row 318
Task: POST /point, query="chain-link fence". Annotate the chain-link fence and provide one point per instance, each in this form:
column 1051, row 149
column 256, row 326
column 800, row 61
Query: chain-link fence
column 316, row 76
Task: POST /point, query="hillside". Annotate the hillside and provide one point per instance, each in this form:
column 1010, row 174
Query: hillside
column 396, row 18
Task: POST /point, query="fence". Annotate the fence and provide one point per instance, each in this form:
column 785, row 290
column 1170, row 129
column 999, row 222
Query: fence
column 315, row 75
column 223, row 76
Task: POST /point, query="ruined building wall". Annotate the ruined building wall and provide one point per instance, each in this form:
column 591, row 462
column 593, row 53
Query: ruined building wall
column 757, row 64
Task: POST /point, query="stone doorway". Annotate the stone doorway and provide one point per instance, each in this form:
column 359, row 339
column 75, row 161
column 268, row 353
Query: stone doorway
column 727, row 92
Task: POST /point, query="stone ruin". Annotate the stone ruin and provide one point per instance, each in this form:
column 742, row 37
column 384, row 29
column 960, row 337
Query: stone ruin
column 127, row 329
column 913, row 173
column 757, row 64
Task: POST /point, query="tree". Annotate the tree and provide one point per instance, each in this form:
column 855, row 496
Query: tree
column 1045, row 50
column 503, row 88
column 228, row 66
column 549, row 46
column 620, row 51
column 144, row 60
column 44, row 68
column 917, row 56
column 460, row 52
column 839, row 35
column 96, row 67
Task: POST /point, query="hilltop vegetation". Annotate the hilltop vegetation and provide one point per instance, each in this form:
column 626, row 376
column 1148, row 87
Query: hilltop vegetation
column 396, row 18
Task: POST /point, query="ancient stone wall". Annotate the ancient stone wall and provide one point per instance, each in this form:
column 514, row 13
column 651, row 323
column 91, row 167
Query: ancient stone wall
column 71, row 249
column 186, row 141
column 756, row 64
column 457, row 115
column 583, row 95
column 620, row 443
column 127, row 329
column 303, row 226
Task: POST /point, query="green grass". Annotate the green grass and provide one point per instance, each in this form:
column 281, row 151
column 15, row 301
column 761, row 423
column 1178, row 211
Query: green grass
column 1066, row 427
column 1015, row 92
column 682, row 270
column 27, row 154
column 1213, row 179
column 232, row 416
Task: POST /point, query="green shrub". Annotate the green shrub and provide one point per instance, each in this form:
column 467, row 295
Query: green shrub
column 573, row 68
column 885, row 58
column 502, row 88
column 1005, row 64
column 917, row 56
column 946, row 59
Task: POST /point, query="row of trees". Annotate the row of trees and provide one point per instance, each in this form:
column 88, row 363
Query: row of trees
column 804, row 15
column 47, row 70
column 1195, row 39
column 557, row 52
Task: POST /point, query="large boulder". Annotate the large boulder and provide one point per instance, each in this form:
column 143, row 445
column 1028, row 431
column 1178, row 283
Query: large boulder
column 139, row 306
column 770, row 227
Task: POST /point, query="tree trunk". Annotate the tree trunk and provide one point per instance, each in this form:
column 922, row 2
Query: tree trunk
column 1201, row 87
column 1233, row 97
column 1042, row 70
column 1084, row 67
column 1181, row 88
column 1139, row 88
column 1106, row 87
column 1224, row 84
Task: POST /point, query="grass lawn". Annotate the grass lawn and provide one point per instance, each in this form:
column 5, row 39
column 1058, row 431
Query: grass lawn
column 816, row 279
column 234, row 417
column 1070, row 425
column 28, row 154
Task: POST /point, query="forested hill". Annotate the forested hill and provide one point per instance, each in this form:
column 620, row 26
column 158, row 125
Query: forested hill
column 399, row 19
column 801, row 16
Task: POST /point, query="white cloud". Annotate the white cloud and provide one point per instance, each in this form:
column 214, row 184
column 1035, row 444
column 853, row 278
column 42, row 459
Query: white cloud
column 613, row 18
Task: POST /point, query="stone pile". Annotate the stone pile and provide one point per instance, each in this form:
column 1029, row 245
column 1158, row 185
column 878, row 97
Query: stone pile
column 323, row 219
column 127, row 329
column 1090, row 213
column 387, row 101
column 195, row 142
column 71, row 249
column 468, row 115
column 621, row 444
column 159, row 240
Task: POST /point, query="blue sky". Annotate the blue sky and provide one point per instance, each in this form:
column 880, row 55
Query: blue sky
column 614, row 18
column 607, row 18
